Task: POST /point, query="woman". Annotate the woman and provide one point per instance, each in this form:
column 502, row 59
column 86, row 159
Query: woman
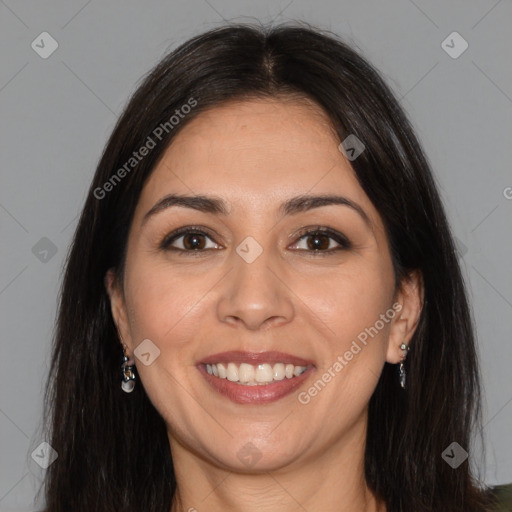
column 265, row 254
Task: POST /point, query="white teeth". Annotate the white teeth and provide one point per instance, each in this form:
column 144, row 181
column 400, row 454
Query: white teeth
column 232, row 372
column 297, row 371
column 245, row 373
column 279, row 371
column 222, row 370
column 248, row 375
column 263, row 373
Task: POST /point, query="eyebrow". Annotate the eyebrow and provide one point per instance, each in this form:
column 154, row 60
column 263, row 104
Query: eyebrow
column 217, row 206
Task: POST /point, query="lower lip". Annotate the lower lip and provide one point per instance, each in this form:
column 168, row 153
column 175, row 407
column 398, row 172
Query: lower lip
column 259, row 394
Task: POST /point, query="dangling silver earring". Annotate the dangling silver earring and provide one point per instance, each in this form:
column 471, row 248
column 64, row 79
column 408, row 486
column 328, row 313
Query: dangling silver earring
column 401, row 368
column 128, row 381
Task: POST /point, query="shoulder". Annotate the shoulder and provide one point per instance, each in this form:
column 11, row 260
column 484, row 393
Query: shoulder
column 501, row 496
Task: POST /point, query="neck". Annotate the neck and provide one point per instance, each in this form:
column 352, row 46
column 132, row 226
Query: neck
column 332, row 481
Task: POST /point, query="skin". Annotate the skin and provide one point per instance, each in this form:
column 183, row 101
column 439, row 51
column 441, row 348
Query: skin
column 256, row 154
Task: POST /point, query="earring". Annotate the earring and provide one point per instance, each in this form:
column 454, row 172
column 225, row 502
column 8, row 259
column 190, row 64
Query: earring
column 401, row 368
column 128, row 381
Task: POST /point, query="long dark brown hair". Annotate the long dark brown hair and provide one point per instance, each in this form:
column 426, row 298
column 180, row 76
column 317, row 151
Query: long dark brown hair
column 113, row 449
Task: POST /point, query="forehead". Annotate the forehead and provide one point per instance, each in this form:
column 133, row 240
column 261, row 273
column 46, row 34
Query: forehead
column 255, row 153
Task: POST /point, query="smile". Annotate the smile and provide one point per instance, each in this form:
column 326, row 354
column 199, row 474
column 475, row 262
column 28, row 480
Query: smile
column 250, row 375
column 255, row 378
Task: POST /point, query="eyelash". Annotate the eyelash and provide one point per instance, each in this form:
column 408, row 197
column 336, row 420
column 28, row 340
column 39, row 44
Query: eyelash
column 343, row 242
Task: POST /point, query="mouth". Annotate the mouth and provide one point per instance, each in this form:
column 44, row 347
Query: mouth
column 249, row 377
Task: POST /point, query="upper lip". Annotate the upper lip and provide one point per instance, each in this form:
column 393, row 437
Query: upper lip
column 255, row 358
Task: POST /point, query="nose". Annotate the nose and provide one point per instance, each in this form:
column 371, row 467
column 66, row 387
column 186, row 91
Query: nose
column 255, row 295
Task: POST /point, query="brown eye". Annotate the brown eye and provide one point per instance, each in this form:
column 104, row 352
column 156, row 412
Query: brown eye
column 188, row 240
column 193, row 241
column 320, row 240
column 317, row 242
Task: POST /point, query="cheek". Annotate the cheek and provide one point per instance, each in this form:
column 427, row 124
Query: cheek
column 162, row 302
column 356, row 306
column 163, row 309
column 351, row 299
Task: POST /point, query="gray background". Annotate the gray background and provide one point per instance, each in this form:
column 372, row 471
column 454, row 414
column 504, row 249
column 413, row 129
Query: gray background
column 57, row 113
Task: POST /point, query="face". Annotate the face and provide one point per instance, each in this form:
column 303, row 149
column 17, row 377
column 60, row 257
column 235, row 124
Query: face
column 253, row 286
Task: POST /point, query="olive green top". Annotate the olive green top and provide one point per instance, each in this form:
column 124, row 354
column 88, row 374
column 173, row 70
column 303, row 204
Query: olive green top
column 503, row 498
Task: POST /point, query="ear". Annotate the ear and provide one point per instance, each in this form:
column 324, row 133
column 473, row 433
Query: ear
column 118, row 308
column 410, row 298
